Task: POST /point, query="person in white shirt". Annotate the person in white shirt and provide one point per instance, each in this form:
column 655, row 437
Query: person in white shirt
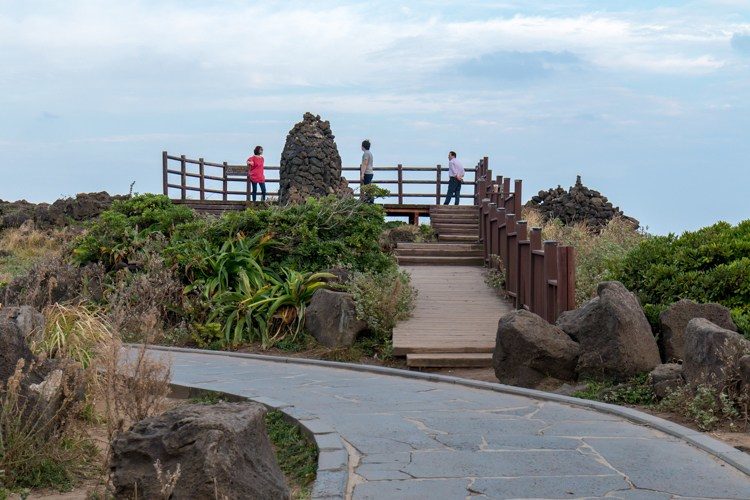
column 455, row 178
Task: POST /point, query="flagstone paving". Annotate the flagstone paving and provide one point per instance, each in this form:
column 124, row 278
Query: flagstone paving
column 411, row 438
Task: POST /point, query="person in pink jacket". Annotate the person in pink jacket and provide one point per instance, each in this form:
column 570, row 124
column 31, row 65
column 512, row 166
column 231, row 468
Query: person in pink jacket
column 256, row 173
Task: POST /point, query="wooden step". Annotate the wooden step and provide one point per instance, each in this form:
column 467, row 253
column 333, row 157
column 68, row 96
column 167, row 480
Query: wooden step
column 444, row 359
column 440, row 246
column 457, row 228
column 443, row 252
column 438, row 260
column 459, row 238
column 456, row 216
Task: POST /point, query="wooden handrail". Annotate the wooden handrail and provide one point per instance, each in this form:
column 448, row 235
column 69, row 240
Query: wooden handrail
column 539, row 277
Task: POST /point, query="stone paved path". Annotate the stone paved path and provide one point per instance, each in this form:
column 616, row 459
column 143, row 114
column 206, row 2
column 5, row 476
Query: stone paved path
column 433, row 440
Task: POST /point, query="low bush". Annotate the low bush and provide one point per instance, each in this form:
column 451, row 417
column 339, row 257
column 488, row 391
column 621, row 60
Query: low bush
column 399, row 232
column 383, row 299
column 636, row 391
column 711, row 264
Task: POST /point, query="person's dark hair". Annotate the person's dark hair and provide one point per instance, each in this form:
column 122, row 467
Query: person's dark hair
column 257, row 149
column 366, row 144
column 452, row 153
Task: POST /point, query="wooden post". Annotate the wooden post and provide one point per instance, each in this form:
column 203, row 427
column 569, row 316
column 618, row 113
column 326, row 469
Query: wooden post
column 517, row 197
column 492, row 231
column 165, row 174
column 506, row 192
column 550, row 274
column 202, row 178
column 437, row 186
column 536, row 304
column 225, row 183
column 248, row 188
column 484, row 219
column 183, row 180
column 511, row 268
column 400, row 184
column 566, row 279
column 521, row 263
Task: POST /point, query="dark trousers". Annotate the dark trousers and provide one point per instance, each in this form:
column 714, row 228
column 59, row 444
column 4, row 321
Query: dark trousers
column 367, row 180
column 262, row 190
column 454, row 189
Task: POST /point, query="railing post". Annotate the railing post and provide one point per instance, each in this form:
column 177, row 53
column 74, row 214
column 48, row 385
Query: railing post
column 400, row 184
column 550, row 274
column 566, row 279
column 521, row 263
column 202, row 178
column 183, row 180
column 511, row 271
column 506, row 192
column 165, row 173
column 517, row 197
column 484, row 219
column 536, row 302
column 225, row 182
column 437, row 186
column 491, row 231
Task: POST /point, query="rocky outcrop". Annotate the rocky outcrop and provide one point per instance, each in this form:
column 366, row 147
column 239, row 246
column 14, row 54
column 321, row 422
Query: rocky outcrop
column 222, row 451
column 529, row 350
column 55, row 281
column 578, row 204
column 675, row 319
column 331, row 318
column 310, row 163
column 84, row 206
column 712, row 354
column 744, row 367
column 13, row 345
column 666, row 378
column 614, row 334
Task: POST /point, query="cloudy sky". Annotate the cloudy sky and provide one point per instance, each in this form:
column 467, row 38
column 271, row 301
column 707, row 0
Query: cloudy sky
column 649, row 101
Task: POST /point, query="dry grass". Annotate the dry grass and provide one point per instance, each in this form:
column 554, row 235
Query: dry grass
column 21, row 247
column 39, row 444
column 595, row 252
column 72, row 332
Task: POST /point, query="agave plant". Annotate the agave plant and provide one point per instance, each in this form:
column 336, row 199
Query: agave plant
column 219, row 270
column 266, row 306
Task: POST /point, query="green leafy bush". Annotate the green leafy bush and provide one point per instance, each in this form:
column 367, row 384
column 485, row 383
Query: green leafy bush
column 711, row 264
column 126, row 225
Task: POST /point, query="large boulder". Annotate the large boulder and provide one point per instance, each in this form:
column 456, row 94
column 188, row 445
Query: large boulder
column 529, row 350
column 614, row 334
column 712, row 353
column 310, row 163
column 222, row 451
column 675, row 318
column 744, row 367
column 13, row 345
column 666, row 378
column 331, row 318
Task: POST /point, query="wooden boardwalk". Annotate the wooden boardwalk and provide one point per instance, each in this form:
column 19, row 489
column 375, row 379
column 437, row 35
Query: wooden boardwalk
column 456, row 312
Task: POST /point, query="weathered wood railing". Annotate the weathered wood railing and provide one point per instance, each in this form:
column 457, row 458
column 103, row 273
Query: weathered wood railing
column 539, row 276
column 202, row 180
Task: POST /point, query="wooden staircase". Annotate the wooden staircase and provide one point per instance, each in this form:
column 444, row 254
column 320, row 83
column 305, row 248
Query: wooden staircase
column 456, row 316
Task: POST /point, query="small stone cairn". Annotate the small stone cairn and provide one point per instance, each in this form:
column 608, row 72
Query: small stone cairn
column 578, row 204
column 310, row 163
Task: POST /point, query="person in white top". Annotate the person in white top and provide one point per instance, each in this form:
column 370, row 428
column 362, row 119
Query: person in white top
column 455, row 178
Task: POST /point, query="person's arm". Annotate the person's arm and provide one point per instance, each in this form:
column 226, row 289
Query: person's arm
column 363, row 167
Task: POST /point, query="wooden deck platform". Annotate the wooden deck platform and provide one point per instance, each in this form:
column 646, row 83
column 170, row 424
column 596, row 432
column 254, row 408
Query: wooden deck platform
column 456, row 312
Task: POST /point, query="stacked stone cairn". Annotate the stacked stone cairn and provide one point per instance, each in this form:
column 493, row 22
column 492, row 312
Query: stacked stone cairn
column 310, row 163
column 578, row 204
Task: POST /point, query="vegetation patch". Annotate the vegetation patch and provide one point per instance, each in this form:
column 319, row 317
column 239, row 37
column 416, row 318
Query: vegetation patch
column 711, row 264
column 297, row 456
column 636, row 391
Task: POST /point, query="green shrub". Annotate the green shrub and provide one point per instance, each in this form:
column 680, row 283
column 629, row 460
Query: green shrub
column 711, row 264
column 126, row 225
column 636, row 391
column 383, row 299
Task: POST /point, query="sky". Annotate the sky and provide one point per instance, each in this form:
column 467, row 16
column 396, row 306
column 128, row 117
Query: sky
column 648, row 101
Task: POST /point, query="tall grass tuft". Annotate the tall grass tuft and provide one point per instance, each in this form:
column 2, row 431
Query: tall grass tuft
column 72, row 332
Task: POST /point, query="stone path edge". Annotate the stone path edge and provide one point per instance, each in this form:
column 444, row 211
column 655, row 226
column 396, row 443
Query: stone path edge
column 734, row 457
column 332, row 474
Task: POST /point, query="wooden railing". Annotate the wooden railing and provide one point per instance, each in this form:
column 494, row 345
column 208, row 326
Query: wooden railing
column 203, row 180
column 539, row 276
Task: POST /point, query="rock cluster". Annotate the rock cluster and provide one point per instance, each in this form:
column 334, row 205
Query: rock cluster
column 578, row 204
column 310, row 163
column 609, row 338
column 83, row 207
